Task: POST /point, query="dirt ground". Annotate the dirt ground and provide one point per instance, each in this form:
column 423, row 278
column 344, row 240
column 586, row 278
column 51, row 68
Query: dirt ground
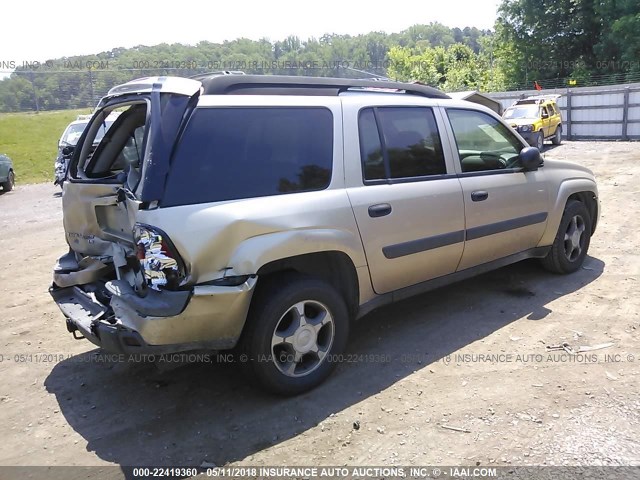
column 472, row 356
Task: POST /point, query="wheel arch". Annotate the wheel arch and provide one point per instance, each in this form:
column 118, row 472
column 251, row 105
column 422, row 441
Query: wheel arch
column 334, row 267
column 590, row 200
column 582, row 190
column 8, row 180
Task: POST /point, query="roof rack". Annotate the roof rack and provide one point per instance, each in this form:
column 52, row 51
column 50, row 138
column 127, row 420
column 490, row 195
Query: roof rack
column 238, row 84
column 537, row 98
column 541, row 96
column 201, row 76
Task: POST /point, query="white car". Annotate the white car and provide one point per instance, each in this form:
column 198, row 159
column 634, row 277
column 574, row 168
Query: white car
column 70, row 138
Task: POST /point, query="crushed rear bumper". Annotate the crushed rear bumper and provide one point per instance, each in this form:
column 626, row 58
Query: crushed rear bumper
column 114, row 317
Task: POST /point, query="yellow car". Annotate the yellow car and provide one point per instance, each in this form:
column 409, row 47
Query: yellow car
column 537, row 119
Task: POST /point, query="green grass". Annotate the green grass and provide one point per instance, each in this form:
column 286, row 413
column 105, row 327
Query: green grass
column 31, row 141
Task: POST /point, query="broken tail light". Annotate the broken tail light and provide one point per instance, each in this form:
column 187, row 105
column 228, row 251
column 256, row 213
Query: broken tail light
column 161, row 264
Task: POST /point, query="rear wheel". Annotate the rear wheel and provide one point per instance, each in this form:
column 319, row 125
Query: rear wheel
column 557, row 138
column 296, row 326
column 540, row 140
column 572, row 240
column 10, row 183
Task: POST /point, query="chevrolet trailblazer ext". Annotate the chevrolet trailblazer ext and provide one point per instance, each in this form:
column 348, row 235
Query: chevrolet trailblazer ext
column 268, row 212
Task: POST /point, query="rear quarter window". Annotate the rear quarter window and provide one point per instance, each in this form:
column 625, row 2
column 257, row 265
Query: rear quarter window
column 234, row 153
column 411, row 148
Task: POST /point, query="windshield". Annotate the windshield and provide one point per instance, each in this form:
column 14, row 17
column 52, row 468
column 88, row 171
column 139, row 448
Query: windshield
column 73, row 132
column 521, row 111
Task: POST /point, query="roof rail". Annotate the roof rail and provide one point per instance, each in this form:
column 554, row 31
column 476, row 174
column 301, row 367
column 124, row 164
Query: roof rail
column 201, row 76
column 542, row 97
column 226, row 84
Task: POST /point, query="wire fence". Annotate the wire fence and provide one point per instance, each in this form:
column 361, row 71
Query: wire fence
column 594, row 80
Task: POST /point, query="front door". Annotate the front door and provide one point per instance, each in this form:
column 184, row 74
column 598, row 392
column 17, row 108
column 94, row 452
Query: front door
column 546, row 121
column 505, row 207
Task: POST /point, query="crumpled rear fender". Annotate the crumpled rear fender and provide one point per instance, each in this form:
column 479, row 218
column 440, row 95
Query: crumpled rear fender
column 254, row 252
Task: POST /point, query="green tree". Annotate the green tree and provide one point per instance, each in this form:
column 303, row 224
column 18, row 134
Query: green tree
column 70, row 84
column 543, row 40
column 454, row 68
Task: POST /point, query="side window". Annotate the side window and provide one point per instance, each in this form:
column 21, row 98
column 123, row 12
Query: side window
column 410, row 145
column 371, row 147
column 234, row 153
column 483, row 142
column 545, row 112
column 131, row 153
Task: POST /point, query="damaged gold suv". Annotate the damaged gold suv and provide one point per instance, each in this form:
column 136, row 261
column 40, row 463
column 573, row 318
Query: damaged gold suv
column 267, row 213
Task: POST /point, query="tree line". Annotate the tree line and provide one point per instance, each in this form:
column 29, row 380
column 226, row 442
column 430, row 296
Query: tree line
column 557, row 44
column 75, row 82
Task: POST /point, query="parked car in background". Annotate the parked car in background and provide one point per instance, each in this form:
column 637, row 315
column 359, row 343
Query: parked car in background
column 70, row 138
column 7, row 175
column 537, row 119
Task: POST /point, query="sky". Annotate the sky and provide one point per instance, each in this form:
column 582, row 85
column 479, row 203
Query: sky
column 44, row 30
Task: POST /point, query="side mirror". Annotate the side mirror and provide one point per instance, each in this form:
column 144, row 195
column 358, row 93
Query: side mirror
column 530, row 158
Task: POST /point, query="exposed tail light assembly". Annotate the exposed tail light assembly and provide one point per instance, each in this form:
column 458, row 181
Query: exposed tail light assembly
column 160, row 262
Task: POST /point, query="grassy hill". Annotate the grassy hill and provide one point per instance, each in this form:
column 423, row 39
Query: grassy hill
column 31, row 141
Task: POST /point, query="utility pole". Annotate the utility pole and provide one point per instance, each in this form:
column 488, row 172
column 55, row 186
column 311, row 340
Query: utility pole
column 35, row 94
column 92, row 101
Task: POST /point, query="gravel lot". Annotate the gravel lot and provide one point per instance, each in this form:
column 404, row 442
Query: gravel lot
column 471, row 356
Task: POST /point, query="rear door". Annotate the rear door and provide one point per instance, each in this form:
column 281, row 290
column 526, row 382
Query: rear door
column 406, row 199
column 555, row 119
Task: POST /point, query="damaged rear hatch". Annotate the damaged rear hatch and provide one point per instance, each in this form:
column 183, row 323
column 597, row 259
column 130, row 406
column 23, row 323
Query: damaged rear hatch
column 109, row 252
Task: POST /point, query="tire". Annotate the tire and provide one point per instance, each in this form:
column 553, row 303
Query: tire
column 279, row 349
column 540, row 140
column 571, row 244
column 10, row 183
column 557, row 138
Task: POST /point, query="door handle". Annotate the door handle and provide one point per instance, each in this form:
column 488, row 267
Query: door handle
column 479, row 195
column 379, row 210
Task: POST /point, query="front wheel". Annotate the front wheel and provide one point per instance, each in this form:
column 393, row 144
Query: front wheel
column 10, row 183
column 571, row 244
column 295, row 328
